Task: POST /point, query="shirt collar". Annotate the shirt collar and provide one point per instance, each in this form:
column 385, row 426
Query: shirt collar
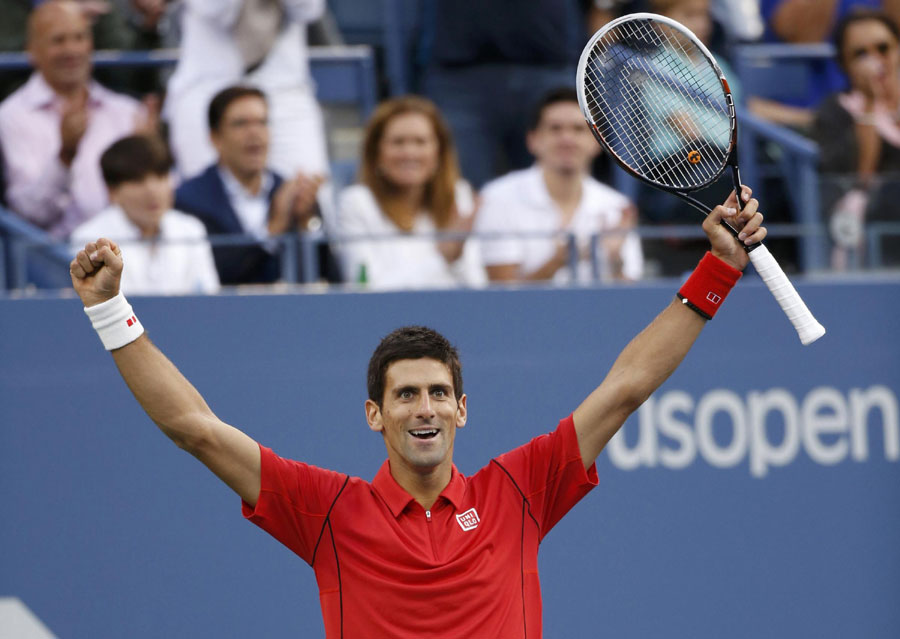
column 236, row 190
column 538, row 195
column 131, row 231
column 398, row 499
column 39, row 94
column 536, row 189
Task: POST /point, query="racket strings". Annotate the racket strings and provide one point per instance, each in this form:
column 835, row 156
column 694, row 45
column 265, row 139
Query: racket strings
column 660, row 111
column 636, row 155
column 652, row 155
column 661, row 65
column 696, row 85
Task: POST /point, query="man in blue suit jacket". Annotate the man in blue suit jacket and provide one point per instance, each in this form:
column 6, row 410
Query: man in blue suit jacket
column 238, row 195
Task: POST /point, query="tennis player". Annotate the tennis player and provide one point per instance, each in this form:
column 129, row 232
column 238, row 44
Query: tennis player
column 420, row 551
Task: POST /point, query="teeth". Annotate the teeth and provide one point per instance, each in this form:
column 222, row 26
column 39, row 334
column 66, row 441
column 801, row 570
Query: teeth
column 426, row 431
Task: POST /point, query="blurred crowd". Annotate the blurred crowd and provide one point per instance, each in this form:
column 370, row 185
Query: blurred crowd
column 487, row 173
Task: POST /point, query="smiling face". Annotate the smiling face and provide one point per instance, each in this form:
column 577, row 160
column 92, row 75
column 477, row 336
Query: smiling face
column 418, row 416
column 561, row 141
column 408, row 151
column 60, row 45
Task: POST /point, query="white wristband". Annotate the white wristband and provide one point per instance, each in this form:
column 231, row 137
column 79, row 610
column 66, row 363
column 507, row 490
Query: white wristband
column 115, row 322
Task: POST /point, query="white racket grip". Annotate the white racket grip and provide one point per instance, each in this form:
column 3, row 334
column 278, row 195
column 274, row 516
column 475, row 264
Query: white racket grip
column 786, row 295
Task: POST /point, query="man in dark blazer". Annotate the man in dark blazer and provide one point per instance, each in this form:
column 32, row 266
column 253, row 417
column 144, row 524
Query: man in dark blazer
column 239, row 195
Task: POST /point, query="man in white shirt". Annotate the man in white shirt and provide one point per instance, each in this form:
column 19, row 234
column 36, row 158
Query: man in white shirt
column 168, row 252
column 536, row 207
column 56, row 126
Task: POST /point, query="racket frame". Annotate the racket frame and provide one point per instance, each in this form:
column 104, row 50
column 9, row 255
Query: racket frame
column 807, row 327
column 731, row 154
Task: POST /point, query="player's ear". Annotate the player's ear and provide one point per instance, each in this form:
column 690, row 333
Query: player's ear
column 461, row 412
column 373, row 416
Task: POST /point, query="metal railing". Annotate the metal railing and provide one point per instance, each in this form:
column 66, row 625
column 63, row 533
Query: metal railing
column 35, row 262
column 342, row 74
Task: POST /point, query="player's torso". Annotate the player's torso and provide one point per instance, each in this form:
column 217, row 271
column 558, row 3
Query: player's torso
column 444, row 572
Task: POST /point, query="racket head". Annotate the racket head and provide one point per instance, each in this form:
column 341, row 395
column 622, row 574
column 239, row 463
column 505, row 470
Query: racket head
column 657, row 101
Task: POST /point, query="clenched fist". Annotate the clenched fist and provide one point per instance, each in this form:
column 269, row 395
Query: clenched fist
column 97, row 271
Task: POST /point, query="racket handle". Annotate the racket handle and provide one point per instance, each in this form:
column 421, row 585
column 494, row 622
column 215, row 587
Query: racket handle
column 786, row 295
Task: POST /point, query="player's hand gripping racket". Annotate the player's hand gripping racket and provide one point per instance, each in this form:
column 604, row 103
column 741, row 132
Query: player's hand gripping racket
column 655, row 98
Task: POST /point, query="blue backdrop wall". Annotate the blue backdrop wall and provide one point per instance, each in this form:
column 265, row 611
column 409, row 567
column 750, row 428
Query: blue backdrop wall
column 756, row 495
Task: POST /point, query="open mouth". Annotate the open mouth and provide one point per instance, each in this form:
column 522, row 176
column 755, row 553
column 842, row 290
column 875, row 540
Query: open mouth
column 424, row 433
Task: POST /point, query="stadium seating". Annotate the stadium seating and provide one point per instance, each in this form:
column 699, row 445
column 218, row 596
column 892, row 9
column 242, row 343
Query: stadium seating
column 795, row 162
column 391, row 26
column 772, row 153
column 344, row 77
column 32, row 258
column 782, row 72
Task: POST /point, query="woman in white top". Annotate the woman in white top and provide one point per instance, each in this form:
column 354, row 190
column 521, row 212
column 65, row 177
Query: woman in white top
column 409, row 189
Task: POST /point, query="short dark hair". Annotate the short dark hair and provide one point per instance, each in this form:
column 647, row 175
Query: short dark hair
column 133, row 158
column 411, row 342
column 223, row 99
column 860, row 15
column 553, row 96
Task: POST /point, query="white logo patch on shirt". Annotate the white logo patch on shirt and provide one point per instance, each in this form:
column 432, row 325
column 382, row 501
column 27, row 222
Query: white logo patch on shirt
column 468, row 520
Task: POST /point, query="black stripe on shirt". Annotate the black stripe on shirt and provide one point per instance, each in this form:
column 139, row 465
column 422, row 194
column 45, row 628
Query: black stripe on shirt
column 326, row 522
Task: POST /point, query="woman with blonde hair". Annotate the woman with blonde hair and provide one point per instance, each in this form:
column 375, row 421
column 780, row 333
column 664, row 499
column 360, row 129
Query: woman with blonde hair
column 409, row 190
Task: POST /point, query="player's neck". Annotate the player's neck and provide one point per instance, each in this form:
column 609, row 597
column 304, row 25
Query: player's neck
column 425, row 486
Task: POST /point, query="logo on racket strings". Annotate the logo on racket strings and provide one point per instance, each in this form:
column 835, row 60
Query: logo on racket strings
column 694, row 156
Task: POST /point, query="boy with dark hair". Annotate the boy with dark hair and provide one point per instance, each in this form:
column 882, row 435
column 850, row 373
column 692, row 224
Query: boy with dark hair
column 168, row 251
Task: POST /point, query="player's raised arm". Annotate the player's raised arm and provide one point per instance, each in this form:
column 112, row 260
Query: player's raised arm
column 656, row 352
column 169, row 399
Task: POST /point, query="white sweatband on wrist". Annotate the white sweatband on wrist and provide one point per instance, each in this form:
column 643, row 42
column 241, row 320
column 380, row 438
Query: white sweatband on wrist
column 115, row 322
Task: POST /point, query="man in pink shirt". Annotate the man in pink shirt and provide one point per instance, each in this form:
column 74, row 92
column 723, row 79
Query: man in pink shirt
column 56, row 126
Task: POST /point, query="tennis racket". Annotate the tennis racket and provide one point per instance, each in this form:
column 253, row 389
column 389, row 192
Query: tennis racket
column 656, row 100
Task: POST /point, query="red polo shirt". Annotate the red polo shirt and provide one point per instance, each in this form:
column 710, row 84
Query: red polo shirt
column 388, row 568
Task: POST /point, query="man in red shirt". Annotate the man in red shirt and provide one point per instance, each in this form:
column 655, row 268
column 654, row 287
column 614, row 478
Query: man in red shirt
column 421, row 551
